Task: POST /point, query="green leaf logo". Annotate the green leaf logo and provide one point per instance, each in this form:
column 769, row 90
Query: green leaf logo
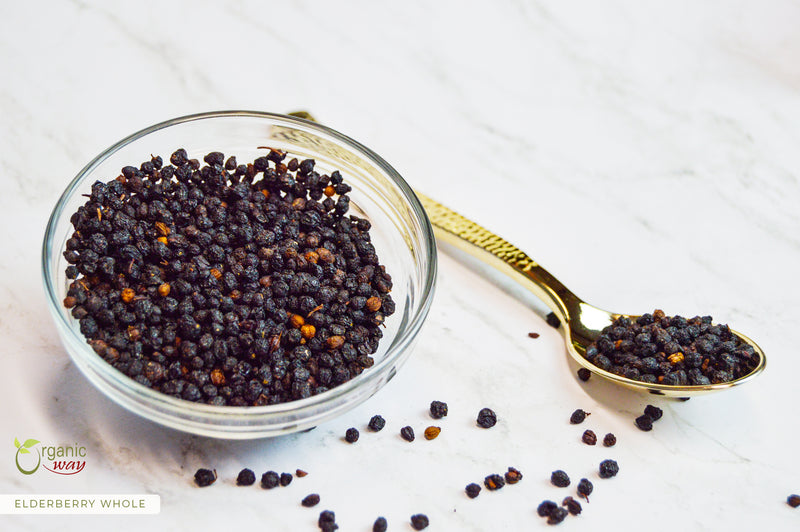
column 22, row 448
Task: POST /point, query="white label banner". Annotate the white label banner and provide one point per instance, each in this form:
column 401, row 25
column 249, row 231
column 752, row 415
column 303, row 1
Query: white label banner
column 64, row 503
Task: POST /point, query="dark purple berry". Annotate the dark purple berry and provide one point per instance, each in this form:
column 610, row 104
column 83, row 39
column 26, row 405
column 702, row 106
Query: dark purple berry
column 608, row 468
column 556, row 516
column 793, row 500
column 351, row 436
column 578, row 416
column 407, row 433
column 270, row 480
column 380, row 525
column 609, row 440
column 585, row 488
column 473, row 490
column 438, row 409
column 572, row 505
column 654, row 412
column 376, row 423
column 546, row 508
column 644, row 422
column 310, row 500
column 589, row 437
column 419, row 521
column 487, row 418
column 205, row 477
column 494, row 482
column 559, row 478
column 246, row 477
column 584, row 374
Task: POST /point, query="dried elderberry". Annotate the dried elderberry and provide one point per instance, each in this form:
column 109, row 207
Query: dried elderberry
column 609, row 440
column 608, row 468
column 494, row 482
column 559, row 478
column 286, row 479
column 589, row 437
column 205, row 477
column 310, row 500
column 407, row 433
column 380, row 525
column 246, row 477
column 644, row 422
column 351, row 436
column 793, row 500
column 473, row 490
column 438, row 409
column 419, row 521
column 573, row 506
column 513, row 475
column 654, row 412
column 556, row 516
column 578, row 416
column 546, row 508
column 270, row 480
column 585, row 488
column 487, row 418
column 376, row 423
column 584, row 374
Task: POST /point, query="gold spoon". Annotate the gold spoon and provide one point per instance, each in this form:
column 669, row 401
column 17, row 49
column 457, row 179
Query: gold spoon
column 583, row 322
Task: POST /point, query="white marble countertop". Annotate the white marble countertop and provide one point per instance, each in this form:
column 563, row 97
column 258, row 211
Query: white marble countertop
column 646, row 155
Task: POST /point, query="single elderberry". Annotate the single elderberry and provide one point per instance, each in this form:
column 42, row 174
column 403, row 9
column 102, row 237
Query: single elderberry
column 585, row 488
column 513, row 475
column 246, row 477
column 608, row 468
column 559, row 478
column 494, row 482
column 546, row 508
column 589, row 437
column 286, row 479
column 578, row 416
column 380, row 525
column 419, row 521
column 310, row 500
column 609, row 440
column 644, row 422
column 654, row 412
column 438, row 409
column 487, row 418
column 407, row 433
column 473, row 490
column 351, row 436
column 205, row 477
column 270, row 480
column 793, row 500
column 376, row 423
column 584, row 374
column 572, row 505
column 556, row 516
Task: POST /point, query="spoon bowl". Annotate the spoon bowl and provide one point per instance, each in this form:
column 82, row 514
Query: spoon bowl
column 583, row 323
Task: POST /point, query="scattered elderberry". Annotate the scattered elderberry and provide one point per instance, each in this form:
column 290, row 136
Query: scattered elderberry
column 246, row 477
column 407, row 433
column 644, row 422
column 270, row 480
column 380, row 525
column 572, row 505
column 609, row 440
column 327, row 521
column 487, row 418
column 608, row 468
column 654, row 412
column 473, row 490
column 672, row 350
column 578, row 416
column 553, row 321
column 494, row 482
column 310, row 500
column 376, row 423
column 432, row 432
column 584, row 374
column 351, row 436
column 513, row 475
column 589, row 437
column 286, row 479
column 533, row 335
column 559, row 478
column 300, row 473
column 205, row 477
column 585, row 488
column 438, row 409
column 419, row 521
column 793, row 500
column 546, row 508
column 556, row 516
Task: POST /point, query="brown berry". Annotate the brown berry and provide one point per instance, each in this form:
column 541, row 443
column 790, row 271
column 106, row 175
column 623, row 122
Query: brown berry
column 127, row 295
column 163, row 289
column 432, row 432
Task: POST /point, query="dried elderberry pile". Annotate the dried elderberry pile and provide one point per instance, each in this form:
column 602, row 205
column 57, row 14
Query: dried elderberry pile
column 673, row 350
column 226, row 283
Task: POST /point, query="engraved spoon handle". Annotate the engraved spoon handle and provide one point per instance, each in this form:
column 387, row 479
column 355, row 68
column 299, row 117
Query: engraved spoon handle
column 470, row 237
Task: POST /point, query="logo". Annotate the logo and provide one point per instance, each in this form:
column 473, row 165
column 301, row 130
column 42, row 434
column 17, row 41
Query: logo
column 61, row 460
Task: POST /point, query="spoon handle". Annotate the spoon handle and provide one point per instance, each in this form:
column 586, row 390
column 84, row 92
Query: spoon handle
column 466, row 235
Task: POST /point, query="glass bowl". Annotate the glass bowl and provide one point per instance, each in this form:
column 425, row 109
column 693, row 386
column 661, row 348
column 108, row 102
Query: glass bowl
column 401, row 233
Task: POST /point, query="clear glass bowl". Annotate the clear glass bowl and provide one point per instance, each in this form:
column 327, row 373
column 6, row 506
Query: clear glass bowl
column 401, row 233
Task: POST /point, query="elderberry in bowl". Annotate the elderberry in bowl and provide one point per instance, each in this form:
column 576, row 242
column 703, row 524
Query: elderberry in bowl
column 271, row 273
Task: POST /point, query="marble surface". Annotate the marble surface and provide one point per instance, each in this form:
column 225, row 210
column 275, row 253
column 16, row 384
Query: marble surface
column 645, row 154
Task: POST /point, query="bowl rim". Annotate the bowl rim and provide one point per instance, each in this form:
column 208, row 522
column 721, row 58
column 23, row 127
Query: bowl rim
column 212, row 412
